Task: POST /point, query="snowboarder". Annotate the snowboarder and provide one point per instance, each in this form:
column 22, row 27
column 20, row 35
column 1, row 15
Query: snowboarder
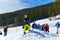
column 5, row 31
column 26, row 24
column 57, row 25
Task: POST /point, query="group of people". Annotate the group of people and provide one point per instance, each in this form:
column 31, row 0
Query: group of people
column 26, row 26
column 43, row 27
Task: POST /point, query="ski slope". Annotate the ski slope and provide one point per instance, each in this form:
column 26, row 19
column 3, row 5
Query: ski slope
column 16, row 33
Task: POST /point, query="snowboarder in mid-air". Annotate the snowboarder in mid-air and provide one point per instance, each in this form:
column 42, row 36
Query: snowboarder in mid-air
column 26, row 24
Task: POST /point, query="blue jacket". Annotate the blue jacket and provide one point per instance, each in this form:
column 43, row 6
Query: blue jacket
column 57, row 25
column 37, row 26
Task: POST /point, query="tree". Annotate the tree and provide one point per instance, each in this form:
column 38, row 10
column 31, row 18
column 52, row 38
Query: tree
column 57, row 0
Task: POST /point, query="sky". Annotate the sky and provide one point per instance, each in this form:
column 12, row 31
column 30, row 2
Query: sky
column 13, row 5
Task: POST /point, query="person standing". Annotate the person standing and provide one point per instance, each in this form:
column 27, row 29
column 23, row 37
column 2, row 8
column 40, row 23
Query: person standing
column 46, row 27
column 26, row 24
column 5, row 31
column 57, row 26
column 42, row 28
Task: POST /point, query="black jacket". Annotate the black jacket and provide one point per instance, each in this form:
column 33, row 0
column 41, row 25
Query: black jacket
column 5, row 29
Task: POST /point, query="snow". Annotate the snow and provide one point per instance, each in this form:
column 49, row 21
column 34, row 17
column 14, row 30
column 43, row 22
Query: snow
column 16, row 33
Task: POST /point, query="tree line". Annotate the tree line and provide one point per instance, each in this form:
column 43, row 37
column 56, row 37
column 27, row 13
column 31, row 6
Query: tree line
column 35, row 13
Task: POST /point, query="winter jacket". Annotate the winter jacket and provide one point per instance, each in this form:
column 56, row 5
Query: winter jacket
column 35, row 26
column 57, row 25
column 46, row 26
column 5, row 29
column 43, row 27
column 26, row 20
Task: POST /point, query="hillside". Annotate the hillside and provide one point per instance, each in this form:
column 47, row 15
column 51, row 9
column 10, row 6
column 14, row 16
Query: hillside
column 35, row 13
column 16, row 33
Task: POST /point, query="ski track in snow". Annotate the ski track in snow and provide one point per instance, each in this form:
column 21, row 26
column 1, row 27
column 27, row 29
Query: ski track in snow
column 17, row 33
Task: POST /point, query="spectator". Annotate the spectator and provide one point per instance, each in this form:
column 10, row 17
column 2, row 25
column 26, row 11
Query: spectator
column 57, row 26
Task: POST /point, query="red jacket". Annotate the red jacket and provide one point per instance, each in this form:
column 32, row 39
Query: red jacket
column 46, row 26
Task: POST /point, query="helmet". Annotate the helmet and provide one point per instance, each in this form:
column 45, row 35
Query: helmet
column 25, row 16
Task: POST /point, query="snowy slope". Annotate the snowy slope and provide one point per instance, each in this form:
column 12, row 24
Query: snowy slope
column 17, row 32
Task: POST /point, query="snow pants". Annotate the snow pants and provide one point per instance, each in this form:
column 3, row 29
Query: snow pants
column 5, row 33
column 26, row 26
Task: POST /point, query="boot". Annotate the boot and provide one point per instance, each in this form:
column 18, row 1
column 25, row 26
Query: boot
column 29, row 30
column 57, row 32
column 48, row 30
column 24, row 32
